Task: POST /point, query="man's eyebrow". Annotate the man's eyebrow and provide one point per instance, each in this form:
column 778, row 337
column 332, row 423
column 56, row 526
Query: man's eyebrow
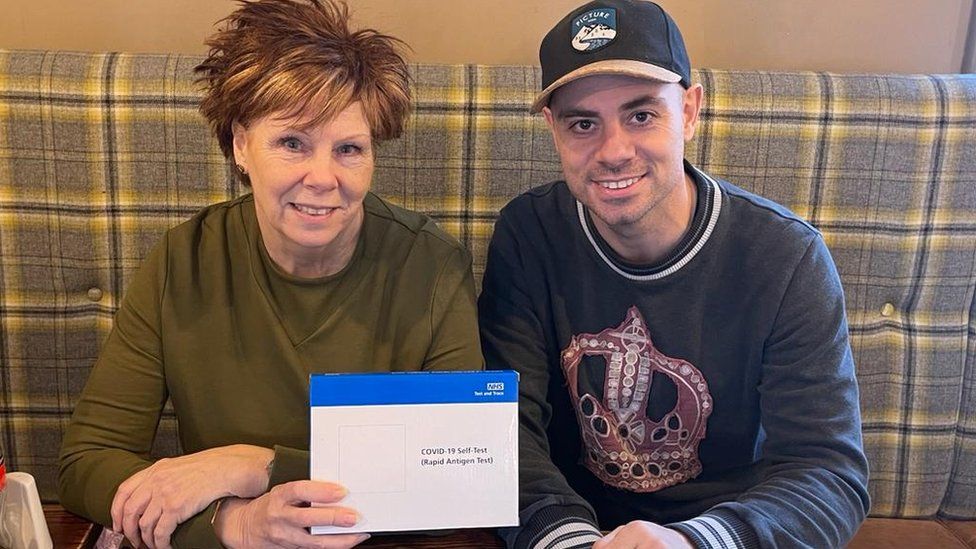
column 576, row 113
column 632, row 104
column 640, row 102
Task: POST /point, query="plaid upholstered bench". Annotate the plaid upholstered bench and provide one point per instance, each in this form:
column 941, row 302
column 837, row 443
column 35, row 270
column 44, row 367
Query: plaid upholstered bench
column 100, row 153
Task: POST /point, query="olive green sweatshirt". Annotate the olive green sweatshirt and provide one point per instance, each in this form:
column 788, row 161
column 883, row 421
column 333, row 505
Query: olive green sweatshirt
column 212, row 324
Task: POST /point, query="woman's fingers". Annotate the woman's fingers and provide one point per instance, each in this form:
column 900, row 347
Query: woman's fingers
column 122, row 495
column 164, row 530
column 309, row 491
column 335, row 541
column 331, row 515
column 280, row 518
column 147, row 524
column 133, row 510
column 181, row 487
column 301, row 538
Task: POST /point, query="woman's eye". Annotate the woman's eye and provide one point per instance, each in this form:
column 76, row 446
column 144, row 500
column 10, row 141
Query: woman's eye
column 292, row 143
column 349, row 149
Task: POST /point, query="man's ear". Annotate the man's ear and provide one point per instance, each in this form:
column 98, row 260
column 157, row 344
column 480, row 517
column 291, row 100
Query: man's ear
column 547, row 113
column 550, row 121
column 692, row 108
column 240, row 144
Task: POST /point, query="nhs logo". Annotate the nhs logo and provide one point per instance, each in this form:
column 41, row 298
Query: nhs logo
column 495, row 386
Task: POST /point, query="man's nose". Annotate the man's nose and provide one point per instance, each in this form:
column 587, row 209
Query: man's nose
column 616, row 146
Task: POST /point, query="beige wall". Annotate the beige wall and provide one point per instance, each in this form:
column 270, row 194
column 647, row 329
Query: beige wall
column 837, row 35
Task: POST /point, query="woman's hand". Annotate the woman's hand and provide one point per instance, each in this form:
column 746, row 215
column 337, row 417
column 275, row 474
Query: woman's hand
column 150, row 504
column 280, row 518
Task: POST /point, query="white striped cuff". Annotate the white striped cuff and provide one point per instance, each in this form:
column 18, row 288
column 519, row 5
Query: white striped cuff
column 569, row 536
column 713, row 531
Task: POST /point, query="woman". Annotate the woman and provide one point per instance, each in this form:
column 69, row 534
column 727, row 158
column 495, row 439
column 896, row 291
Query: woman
column 233, row 309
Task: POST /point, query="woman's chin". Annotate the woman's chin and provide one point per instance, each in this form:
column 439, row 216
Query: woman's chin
column 314, row 243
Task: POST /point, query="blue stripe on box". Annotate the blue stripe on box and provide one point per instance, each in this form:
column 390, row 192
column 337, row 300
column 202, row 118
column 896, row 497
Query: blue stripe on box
column 413, row 388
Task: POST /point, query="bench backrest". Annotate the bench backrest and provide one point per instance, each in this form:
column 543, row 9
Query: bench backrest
column 100, row 153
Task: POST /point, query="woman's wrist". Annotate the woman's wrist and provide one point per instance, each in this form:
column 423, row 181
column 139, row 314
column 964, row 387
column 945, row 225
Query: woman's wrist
column 263, row 464
column 268, row 469
column 228, row 523
column 254, row 477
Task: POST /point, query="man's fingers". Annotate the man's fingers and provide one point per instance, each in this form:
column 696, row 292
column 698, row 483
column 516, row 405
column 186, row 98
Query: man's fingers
column 606, row 540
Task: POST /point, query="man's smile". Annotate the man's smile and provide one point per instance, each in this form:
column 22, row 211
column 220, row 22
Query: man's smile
column 618, row 183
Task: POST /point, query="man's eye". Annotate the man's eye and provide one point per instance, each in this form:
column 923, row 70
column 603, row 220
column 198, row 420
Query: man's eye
column 583, row 125
column 643, row 117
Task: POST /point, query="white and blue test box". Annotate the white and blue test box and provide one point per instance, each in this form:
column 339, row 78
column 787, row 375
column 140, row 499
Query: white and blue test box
column 418, row 450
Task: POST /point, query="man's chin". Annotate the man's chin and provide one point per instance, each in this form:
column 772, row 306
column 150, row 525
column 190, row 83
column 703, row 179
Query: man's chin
column 614, row 220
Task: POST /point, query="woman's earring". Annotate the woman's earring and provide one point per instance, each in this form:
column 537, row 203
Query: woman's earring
column 242, row 169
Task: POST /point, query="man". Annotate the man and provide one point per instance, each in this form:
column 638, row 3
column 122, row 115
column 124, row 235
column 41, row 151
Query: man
column 686, row 376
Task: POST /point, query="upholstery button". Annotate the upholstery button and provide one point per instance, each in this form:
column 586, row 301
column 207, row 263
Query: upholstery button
column 94, row 294
column 887, row 310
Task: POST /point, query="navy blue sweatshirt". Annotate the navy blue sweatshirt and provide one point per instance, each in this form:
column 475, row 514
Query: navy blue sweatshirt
column 713, row 392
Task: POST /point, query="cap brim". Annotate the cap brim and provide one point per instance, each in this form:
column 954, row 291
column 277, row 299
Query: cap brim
column 625, row 67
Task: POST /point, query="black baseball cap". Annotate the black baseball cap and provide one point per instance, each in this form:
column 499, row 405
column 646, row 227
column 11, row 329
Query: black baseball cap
column 628, row 37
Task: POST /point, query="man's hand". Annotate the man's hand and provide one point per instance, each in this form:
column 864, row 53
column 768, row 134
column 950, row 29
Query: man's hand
column 641, row 534
column 280, row 518
column 150, row 504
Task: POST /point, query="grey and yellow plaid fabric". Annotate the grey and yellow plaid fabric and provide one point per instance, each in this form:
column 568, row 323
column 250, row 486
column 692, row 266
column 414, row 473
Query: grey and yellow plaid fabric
column 100, row 153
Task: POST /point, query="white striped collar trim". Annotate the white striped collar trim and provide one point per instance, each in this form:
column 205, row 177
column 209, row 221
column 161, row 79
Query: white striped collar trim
column 710, row 226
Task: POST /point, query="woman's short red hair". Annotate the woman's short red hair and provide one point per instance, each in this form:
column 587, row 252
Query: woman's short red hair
column 299, row 58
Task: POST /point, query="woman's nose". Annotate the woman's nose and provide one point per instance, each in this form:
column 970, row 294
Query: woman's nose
column 321, row 173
